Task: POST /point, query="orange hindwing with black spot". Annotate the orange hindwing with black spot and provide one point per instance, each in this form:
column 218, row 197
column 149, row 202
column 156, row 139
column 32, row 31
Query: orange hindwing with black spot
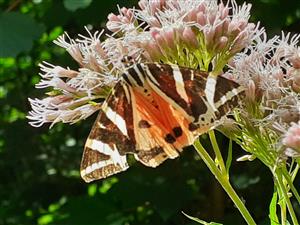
column 153, row 112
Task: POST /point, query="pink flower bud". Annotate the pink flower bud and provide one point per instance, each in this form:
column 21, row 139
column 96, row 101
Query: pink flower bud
column 191, row 16
column 225, row 26
column 127, row 12
column 221, row 44
column 233, row 28
column 295, row 60
column 169, row 36
column 142, row 4
column 201, row 19
column 250, row 91
column 296, row 80
column 100, row 50
column 154, row 5
column 154, row 22
column 67, row 73
column 212, row 18
column 153, row 50
column 202, row 7
column 75, row 52
column 242, row 24
column 292, row 137
column 218, row 32
column 56, row 100
column 112, row 17
column 60, row 84
column 209, row 36
column 160, row 40
column 224, row 11
column 190, row 38
column 154, row 32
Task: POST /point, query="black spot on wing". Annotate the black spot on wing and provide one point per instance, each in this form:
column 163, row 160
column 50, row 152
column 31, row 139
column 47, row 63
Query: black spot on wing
column 193, row 127
column 177, row 131
column 144, row 124
column 169, row 138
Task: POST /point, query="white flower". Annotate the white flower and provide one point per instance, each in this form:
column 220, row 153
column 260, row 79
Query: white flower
column 59, row 109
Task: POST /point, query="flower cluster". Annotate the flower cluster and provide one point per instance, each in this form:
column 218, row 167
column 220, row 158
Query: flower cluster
column 270, row 71
column 193, row 33
column 190, row 33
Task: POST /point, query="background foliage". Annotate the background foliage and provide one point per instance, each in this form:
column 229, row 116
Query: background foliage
column 39, row 168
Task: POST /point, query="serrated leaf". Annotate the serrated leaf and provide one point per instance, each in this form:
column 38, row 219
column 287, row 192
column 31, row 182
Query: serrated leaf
column 17, row 33
column 73, row 5
column 200, row 221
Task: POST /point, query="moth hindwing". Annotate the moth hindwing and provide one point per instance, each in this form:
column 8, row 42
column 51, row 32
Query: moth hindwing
column 154, row 111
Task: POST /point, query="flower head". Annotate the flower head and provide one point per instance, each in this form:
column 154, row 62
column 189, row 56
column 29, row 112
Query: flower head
column 190, row 33
column 194, row 33
column 269, row 71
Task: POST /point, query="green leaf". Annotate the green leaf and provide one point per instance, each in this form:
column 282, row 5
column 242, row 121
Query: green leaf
column 73, row 5
column 17, row 33
column 200, row 221
column 272, row 209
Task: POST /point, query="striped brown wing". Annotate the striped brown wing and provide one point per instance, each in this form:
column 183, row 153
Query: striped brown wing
column 111, row 137
column 204, row 99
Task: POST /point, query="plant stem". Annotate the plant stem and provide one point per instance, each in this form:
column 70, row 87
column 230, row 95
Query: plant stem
column 284, row 192
column 217, row 151
column 224, row 181
column 295, row 171
column 289, row 181
column 281, row 203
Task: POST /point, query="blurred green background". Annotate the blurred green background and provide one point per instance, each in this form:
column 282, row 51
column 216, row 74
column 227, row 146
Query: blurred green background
column 39, row 168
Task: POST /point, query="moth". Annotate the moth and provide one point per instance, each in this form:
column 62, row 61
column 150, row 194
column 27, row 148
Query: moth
column 153, row 112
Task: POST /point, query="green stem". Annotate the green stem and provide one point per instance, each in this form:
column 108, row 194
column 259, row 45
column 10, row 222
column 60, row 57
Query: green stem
column 283, row 190
column 281, row 203
column 295, row 171
column 217, row 151
column 224, row 181
column 289, row 181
